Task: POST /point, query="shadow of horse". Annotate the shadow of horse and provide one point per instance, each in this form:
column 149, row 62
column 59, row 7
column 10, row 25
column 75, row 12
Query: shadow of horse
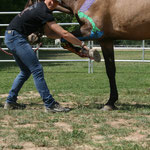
column 121, row 106
column 91, row 105
column 130, row 107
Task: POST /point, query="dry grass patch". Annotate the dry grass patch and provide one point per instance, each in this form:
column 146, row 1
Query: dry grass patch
column 117, row 123
column 98, row 139
column 25, row 95
column 136, row 137
column 25, row 126
column 84, row 147
column 64, row 126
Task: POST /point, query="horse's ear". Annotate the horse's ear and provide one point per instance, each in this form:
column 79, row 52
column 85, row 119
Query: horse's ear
column 29, row 3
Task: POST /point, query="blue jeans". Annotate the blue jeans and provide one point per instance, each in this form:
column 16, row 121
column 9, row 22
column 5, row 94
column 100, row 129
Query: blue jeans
column 29, row 64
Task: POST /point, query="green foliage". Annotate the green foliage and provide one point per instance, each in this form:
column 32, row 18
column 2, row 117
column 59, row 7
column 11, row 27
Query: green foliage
column 12, row 5
column 9, row 5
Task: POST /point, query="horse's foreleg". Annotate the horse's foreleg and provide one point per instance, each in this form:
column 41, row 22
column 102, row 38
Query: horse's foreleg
column 108, row 53
column 85, row 34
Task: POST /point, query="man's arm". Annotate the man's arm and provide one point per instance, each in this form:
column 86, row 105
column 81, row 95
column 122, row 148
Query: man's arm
column 64, row 34
column 83, row 52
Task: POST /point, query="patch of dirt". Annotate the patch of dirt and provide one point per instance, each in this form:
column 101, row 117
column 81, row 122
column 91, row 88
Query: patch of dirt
column 31, row 146
column 136, row 137
column 3, row 95
column 121, row 122
column 28, row 146
column 68, row 104
column 64, row 126
column 96, row 126
column 84, row 147
column 7, row 120
column 98, row 139
column 68, row 94
column 27, row 95
column 25, row 126
column 2, row 142
column 148, row 116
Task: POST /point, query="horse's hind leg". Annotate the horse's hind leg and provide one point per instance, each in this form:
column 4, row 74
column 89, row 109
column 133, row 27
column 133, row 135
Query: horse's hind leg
column 108, row 53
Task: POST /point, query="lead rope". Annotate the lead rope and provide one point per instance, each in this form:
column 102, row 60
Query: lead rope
column 39, row 45
column 10, row 54
column 6, row 52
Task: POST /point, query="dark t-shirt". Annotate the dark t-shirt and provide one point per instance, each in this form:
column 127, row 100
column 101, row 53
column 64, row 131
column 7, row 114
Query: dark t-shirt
column 31, row 19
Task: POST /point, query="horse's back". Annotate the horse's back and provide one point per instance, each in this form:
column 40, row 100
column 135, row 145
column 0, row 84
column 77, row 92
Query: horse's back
column 131, row 18
column 126, row 19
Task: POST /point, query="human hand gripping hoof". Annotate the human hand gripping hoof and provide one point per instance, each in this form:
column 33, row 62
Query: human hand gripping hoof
column 92, row 54
column 83, row 51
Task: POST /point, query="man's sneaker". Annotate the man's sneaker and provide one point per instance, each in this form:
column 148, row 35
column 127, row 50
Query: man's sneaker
column 14, row 106
column 56, row 107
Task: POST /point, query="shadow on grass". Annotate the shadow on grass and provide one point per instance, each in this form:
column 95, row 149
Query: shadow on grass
column 38, row 106
column 130, row 107
column 34, row 106
column 91, row 106
column 121, row 106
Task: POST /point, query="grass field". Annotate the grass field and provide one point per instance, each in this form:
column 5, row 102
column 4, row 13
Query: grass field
column 86, row 127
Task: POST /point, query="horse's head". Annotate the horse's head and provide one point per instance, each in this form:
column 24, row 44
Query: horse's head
column 72, row 5
column 30, row 2
column 64, row 6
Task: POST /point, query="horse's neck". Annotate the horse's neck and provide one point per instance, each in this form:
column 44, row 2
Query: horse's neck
column 74, row 5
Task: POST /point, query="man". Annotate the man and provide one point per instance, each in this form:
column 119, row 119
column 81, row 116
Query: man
column 25, row 23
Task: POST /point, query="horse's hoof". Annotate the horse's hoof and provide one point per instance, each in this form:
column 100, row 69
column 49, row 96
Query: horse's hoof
column 109, row 108
column 95, row 55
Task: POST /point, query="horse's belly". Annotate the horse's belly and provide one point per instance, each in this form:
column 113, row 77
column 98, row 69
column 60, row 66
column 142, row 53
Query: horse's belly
column 137, row 32
column 131, row 19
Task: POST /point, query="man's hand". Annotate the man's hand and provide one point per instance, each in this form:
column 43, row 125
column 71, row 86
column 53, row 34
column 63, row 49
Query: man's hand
column 33, row 38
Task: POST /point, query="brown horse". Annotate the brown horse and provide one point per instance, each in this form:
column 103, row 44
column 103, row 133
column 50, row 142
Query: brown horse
column 113, row 19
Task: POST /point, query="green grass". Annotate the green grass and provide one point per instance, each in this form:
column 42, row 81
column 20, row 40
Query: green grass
column 86, row 127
